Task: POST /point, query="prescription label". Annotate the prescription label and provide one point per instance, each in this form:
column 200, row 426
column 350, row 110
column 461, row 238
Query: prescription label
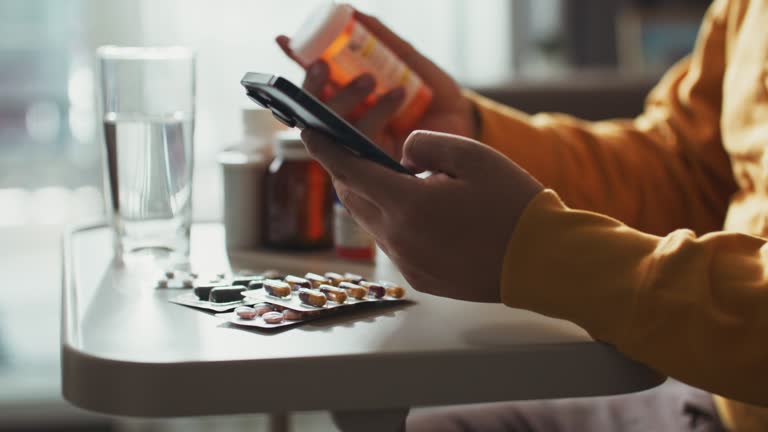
column 364, row 53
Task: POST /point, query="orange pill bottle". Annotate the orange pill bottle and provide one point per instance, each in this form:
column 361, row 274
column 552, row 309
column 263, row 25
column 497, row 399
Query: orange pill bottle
column 333, row 34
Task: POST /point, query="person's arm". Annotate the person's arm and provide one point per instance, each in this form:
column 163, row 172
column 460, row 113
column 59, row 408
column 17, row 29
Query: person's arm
column 694, row 308
column 664, row 170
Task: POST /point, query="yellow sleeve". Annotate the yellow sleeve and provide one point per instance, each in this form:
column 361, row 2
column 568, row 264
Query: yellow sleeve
column 663, row 170
column 694, row 308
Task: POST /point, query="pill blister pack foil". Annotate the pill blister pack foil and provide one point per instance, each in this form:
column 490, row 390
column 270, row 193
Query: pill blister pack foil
column 298, row 318
column 293, row 301
column 260, row 309
column 191, row 300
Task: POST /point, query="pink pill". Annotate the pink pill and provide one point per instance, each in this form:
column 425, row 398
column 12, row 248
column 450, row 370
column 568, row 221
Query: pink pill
column 273, row 317
column 245, row 312
column 263, row 308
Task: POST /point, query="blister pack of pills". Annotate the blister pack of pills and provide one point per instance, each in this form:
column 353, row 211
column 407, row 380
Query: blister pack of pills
column 221, row 293
column 314, row 292
column 267, row 316
column 271, row 300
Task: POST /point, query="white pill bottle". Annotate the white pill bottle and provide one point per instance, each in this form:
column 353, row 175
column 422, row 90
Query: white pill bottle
column 333, row 34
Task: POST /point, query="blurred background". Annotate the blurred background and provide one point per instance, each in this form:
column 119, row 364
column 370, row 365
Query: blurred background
column 592, row 58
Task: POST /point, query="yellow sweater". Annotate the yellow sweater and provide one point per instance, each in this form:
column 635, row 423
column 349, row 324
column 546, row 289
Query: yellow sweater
column 681, row 283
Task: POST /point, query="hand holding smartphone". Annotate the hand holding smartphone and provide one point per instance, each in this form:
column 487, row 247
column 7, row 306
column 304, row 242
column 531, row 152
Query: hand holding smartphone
column 296, row 108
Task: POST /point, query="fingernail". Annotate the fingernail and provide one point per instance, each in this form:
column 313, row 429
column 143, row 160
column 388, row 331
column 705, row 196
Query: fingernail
column 364, row 82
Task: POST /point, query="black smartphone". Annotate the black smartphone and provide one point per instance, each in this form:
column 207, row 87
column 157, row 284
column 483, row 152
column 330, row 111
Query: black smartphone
column 297, row 108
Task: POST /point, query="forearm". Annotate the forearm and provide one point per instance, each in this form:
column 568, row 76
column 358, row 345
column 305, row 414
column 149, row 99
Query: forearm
column 693, row 308
column 632, row 170
column 663, row 170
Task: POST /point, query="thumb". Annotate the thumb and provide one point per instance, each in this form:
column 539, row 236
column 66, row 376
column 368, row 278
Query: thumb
column 440, row 152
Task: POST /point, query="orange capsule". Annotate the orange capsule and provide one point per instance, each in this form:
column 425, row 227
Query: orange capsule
column 354, row 290
column 311, row 297
column 316, row 279
column 375, row 290
column 333, row 293
column 277, row 288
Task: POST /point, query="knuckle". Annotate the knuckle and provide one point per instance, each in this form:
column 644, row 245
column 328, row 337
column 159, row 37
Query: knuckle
column 413, row 143
column 345, row 194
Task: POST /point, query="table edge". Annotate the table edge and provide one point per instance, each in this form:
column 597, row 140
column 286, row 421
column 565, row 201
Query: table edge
column 136, row 389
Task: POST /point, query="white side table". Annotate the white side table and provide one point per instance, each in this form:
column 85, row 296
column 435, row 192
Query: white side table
column 127, row 351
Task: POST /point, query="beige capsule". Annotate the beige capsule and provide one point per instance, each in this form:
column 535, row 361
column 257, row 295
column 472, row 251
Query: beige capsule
column 393, row 290
column 354, row 290
column 316, row 279
column 333, row 293
column 312, row 297
column 272, row 274
column 277, row 288
column 354, row 278
column 297, row 282
column 375, row 290
column 335, row 278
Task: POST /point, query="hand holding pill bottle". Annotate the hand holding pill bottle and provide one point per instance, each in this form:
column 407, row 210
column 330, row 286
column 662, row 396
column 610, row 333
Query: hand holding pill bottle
column 449, row 110
column 333, row 34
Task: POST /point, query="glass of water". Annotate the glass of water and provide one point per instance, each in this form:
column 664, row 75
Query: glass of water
column 148, row 97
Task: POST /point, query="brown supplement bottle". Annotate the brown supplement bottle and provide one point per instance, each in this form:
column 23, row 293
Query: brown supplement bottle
column 298, row 198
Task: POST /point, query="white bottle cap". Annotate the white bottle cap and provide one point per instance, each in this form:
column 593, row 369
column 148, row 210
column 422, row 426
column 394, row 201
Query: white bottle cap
column 320, row 29
column 259, row 122
column 288, row 146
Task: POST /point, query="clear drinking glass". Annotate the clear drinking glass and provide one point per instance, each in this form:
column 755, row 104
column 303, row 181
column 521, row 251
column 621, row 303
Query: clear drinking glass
column 148, row 96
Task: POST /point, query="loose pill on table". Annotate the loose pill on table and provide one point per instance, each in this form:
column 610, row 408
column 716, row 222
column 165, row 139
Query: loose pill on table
column 393, row 290
column 333, row 293
column 375, row 290
column 272, row 274
column 293, row 315
column 273, row 317
column 297, row 282
column 263, row 308
column 311, row 297
column 354, row 290
column 246, row 281
column 245, row 312
column 335, row 278
column 277, row 288
column 316, row 279
column 354, row 278
column 226, row 294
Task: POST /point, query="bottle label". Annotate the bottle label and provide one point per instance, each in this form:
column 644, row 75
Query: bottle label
column 364, row 53
column 348, row 235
